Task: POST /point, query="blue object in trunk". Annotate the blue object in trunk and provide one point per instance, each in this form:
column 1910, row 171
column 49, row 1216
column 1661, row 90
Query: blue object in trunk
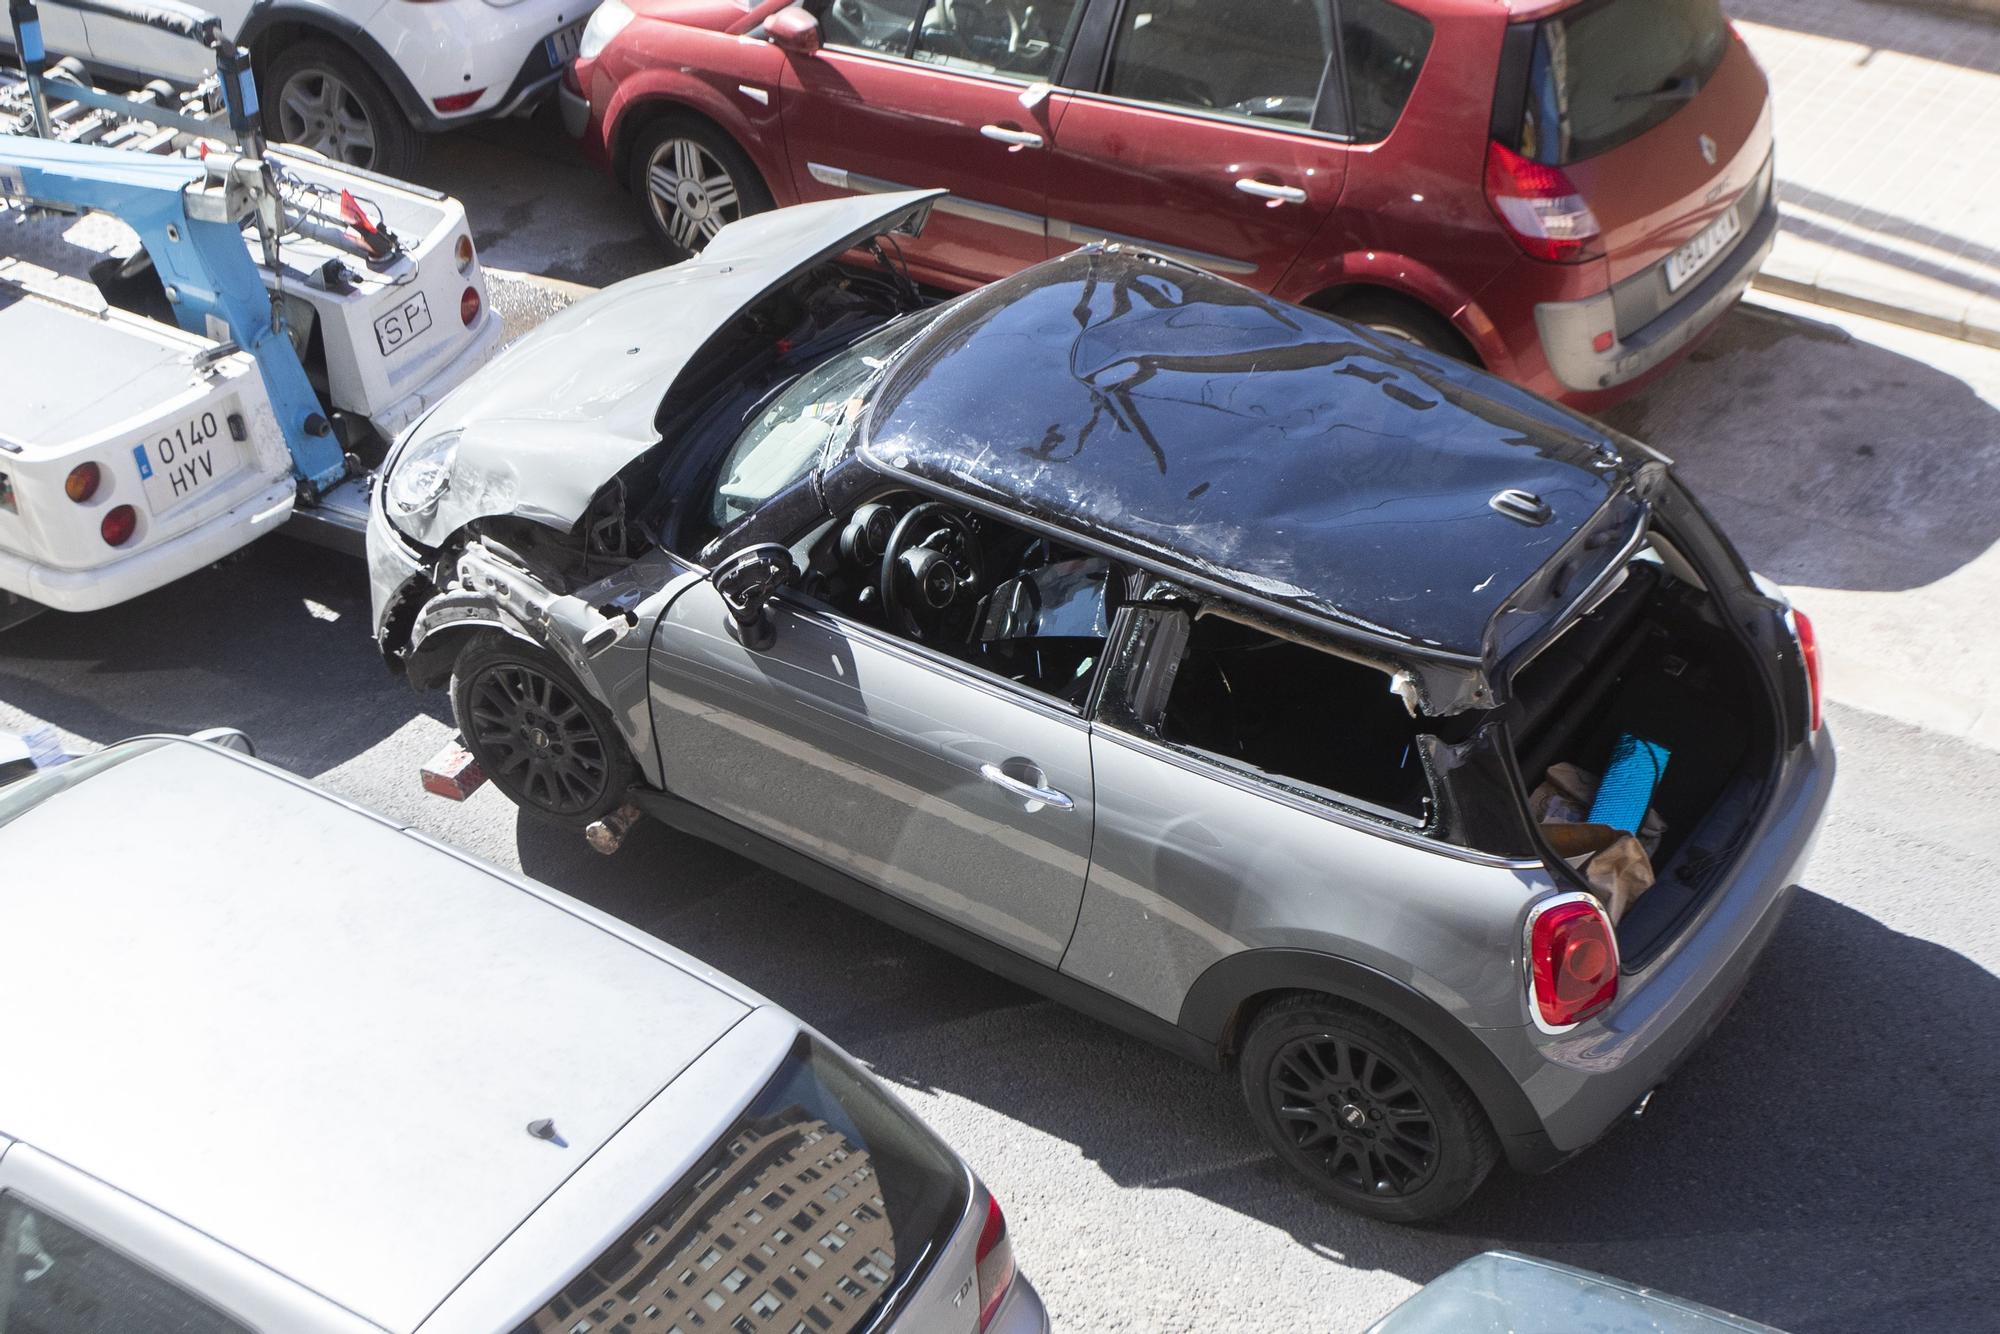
column 1636, row 767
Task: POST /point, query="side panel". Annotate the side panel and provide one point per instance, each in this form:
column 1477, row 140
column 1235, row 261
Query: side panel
column 866, row 754
column 1192, row 865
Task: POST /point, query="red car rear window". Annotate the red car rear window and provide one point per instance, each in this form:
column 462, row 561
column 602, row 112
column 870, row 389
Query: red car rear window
column 1607, row 71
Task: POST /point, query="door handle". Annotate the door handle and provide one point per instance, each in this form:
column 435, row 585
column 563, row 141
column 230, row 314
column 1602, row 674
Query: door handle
column 1019, row 138
column 1284, row 194
column 1036, row 796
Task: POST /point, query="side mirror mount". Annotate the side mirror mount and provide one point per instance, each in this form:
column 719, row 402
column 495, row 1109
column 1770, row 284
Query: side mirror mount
column 746, row 581
column 793, row 31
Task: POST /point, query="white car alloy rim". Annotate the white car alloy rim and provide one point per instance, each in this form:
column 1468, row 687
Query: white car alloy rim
column 693, row 194
column 317, row 110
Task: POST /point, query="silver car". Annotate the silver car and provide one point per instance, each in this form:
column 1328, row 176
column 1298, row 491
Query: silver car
column 1189, row 656
column 274, row 1063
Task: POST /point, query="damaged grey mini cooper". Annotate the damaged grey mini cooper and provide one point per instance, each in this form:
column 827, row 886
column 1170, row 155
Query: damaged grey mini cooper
column 1310, row 705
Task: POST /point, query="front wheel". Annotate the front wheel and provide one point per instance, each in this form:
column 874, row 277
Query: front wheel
column 536, row 732
column 1367, row 1114
column 692, row 181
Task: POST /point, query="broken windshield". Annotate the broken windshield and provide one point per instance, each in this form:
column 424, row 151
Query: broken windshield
column 808, row 424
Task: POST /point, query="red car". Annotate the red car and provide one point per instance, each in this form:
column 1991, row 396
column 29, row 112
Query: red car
column 1569, row 192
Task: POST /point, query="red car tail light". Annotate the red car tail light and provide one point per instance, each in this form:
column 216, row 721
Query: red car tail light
column 994, row 1261
column 1572, row 960
column 1802, row 627
column 81, row 484
column 1540, row 207
column 468, row 306
column 120, row 522
column 457, row 101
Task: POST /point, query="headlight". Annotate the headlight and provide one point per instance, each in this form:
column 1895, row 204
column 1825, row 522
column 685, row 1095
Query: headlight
column 606, row 21
column 421, row 473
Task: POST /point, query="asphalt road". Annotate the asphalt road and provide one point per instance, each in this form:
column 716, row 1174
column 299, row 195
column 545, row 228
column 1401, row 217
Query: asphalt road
column 1829, row 1161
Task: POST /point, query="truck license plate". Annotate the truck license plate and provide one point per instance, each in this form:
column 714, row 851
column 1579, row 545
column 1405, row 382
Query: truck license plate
column 400, row 327
column 562, row 44
column 178, row 465
column 1693, row 257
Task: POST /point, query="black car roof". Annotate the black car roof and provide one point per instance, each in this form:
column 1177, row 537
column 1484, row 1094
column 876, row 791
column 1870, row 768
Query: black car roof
column 1319, row 469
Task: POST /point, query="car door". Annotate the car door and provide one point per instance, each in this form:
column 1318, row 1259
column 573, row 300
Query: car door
column 134, row 47
column 1209, row 134
column 942, row 785
column 907, row 94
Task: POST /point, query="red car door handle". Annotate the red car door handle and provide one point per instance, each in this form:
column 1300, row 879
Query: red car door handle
column 1018, row 138
column 1284, row 194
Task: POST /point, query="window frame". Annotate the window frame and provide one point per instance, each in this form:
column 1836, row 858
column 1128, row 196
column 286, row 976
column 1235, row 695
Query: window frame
column 1090, row 74
column 908, row 55
column 1133, row 706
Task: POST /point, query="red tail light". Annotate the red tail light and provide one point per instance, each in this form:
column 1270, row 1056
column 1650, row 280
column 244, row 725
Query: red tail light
column 1540, row 207
column 995, row 1262
column 1802, row 626
column 457, row 101
column 468, row 306
column 1573, row 957
column 119, row 524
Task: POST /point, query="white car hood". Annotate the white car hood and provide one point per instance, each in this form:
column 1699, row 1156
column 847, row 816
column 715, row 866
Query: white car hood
column 547, row 422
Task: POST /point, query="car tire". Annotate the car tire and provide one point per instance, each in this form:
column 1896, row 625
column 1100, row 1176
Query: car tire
column 1408, row 321
column 537, row 734
column 321, row 96
column 1365, row 1112
column 691, row 180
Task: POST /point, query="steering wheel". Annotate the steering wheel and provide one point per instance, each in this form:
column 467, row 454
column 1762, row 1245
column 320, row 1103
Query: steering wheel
column 931, row 562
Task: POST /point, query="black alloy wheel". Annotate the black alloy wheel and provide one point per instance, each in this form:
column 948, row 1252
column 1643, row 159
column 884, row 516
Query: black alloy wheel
column 1365, row 1112
column 536, row 733
column 1368, row 1125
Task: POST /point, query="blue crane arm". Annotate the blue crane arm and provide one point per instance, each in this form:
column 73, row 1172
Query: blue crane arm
column 194, row 236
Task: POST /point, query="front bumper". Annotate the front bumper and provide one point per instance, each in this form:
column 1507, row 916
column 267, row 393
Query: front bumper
column 1567, row 328
column 394, row 564
column 1582, row 1081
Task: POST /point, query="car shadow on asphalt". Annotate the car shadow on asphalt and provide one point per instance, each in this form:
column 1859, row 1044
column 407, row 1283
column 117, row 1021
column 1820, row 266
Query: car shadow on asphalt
column 275, row 642
column 1828, row 461
column 1815, row 1165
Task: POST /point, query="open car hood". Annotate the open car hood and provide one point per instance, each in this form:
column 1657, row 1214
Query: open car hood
column 550, row 420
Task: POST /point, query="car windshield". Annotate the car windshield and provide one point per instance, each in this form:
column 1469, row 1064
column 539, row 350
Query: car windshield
column 807, row 424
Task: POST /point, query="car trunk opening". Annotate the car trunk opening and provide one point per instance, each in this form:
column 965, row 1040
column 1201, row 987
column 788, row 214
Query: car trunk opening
column 1656, row 659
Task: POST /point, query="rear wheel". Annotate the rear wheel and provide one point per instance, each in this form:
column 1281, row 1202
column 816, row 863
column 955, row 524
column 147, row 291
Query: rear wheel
column 1404, row 319
column 537, row 733
column 320, row 95
column 1366, row 1113
column 692, row 181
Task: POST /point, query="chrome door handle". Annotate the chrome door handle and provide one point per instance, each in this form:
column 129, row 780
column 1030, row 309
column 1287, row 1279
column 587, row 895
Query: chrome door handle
column 1018, row 138
column 1286, row 194
column 1036, row 797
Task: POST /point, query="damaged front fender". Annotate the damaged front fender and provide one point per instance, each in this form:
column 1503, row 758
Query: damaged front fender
column 599, row 633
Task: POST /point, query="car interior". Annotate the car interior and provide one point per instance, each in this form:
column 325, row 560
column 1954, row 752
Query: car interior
column 985, row 592
column 1290, row 710
column 1264, row 60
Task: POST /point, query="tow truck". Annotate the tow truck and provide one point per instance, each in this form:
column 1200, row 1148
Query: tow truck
column 240, row 358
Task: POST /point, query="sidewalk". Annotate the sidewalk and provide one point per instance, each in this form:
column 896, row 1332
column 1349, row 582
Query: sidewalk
column 1888, row 130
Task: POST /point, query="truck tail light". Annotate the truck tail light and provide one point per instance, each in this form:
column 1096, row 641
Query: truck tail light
column 120, row 522
column 1572, row 960
column 1540, row 207
column 468, row 306
column 462, row 253
column 1802, row 627
column 82, row 482
column 995, row 1262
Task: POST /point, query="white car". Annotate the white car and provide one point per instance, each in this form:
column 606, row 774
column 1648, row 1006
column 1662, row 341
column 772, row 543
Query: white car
column 275, row 1063
column 356, row 80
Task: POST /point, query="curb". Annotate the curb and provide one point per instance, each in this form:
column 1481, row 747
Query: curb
column 1979, row 322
